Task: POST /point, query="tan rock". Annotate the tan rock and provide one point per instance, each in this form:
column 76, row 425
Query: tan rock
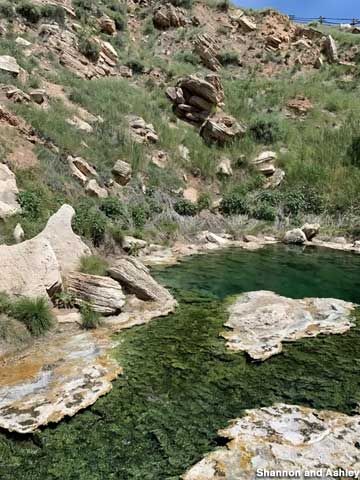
column 135, row 278
column 310, row 230
column 9, row 204
column 131, row 243
column 38, row 95
column 295, row 236
column 261, row 321
column 300, row 105
column 29, row 269
column 224, row 168
column 104, row 294
column 107, row 25
column 93, row 189
column 9, row 64
column 222, row 128
column 207, row 49
column 18, row 233
column 122, row 172
column 191, row 194
column 80, row 124
column 81, row 169
column 159, row 158
column 141, row 131
column 168, row 16
column 68, row 247
column 246, row 24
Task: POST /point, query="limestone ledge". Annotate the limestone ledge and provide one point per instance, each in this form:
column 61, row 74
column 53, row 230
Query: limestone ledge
column 66, row 371
column 283, row 438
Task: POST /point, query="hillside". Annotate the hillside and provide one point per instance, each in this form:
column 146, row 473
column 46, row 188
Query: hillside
column 83, row 71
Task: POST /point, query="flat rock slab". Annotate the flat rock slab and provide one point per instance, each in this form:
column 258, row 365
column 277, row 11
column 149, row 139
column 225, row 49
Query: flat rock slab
column 283, row 438
column 261, row 321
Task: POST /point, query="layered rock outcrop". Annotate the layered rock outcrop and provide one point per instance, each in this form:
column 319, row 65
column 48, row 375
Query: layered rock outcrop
column 9, row 204
column 260, row 322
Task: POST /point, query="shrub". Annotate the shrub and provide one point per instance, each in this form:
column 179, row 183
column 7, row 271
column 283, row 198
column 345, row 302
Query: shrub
column 89, row 48
column 182, row 3
column 93, row 265
column 113, row 208
column 5, row 303
column 140, row 214
column 234, row 203
column 64, row 299
column 30, row 203
column 303, row 199
column 89, row 318
column 204, row 202
column 29, row 11
column 185, row 208
column 54, row 12
column 119, row 20
column 90, row 222
column 7, row 10
column 354, row 152
column 265, row 131
column 228, row 58
column 136, row 65
column 264, row 212
column 117, row 234
column 223, row 5
column 34, row 313
column 188, row 57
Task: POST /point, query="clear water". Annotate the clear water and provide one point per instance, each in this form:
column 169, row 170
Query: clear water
column 181, row 384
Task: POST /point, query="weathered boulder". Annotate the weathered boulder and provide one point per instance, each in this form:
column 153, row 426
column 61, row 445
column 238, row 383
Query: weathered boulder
column 159, row 158
column 140, row 131
column 295, row 236
column 68, row 246
column 136, row 279
column 107, row 25
column 122, row 172
column 275, row 179
column 310, row 230
column 9, row 64
column 81, row 169
column 9, row 204
column 104, row 294
column 300, row 105
column 168, row 16
column 29, row 269
column 93, row 189
column 224, row 168
column 80, row 124
column 131, row 243
column 282, row 438
column 18, row 233
column 210, row 88
column 15, row 94
column 222, row 128
column 205, row 46
column 38, row 95
column 246, row 24
column 261, row 321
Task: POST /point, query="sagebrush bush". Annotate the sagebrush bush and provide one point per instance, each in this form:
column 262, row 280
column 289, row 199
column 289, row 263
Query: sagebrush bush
column 31, row 204
column 89, row 318
column 185, row 208
column 93, row 265
column 234, row 203
column 35, row 313
column 303, row 199
column 30, row 12
column 266, row 131
column 113, row 208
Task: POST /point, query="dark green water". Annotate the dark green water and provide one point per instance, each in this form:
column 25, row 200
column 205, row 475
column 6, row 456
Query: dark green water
column 181, row 385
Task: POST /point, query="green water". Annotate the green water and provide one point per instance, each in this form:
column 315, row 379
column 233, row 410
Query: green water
column 181, row 385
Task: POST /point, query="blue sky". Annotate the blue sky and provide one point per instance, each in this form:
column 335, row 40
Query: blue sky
column 309, row 8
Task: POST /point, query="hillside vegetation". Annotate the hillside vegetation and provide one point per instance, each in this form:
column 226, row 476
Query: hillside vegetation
column 97, row 64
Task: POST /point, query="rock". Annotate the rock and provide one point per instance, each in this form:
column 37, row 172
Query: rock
column 300, row 105
column 213, row 238
column 191, row 194
column 22, row 42
column 65, row 315
column 159, row 158
column 205, row 46
column 282, row 438
column 18, row 233
column 136, row 279
column 246, row 24
column 29, row 269
column 221, row 129
column 131, row 243
column 310, row 230
column 210, row 88
column 38, row 95
column 319, row 62
column 104, row 294
column 330, row 49
column 68, row 247
column 168, row 16
column 9, row 64
column 273, row 42
column 93, row 189
column 276, row 178
column 224, row 168
column 122, row 172
column 109, row 51
column 295, row 236
column 80, row 124
column 15, row 94
column 265, row 157
column 81, row 169
column 107, row 25
column 141, row 131
column 250, row 238
column 184, row 152
column 261, row 321
column 9, row 204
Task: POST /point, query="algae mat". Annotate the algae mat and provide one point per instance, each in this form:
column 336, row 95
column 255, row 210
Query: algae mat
column 181, row 385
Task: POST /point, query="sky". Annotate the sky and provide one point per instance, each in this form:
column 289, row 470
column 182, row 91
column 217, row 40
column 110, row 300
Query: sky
column 309, row 8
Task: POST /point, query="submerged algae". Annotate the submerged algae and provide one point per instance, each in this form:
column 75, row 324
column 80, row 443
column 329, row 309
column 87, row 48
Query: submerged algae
column 181, row 384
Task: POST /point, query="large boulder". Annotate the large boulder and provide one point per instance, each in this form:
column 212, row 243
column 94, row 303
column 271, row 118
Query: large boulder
column 168, row 16
column 107, row 25
column 221, row 129
column 136, row 279
column 310, row 230
column 68, row 246
column 9, row 204
column 295, row 236
column 206, row 48
column 122, row 172
column 103, row 293
column 29, row 269
column 9, row 64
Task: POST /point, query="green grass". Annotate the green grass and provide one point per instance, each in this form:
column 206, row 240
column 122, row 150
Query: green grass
column 89, row 319
column 93, row 265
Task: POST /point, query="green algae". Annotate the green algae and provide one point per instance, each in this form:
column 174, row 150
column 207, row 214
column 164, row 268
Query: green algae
column 181, row 384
